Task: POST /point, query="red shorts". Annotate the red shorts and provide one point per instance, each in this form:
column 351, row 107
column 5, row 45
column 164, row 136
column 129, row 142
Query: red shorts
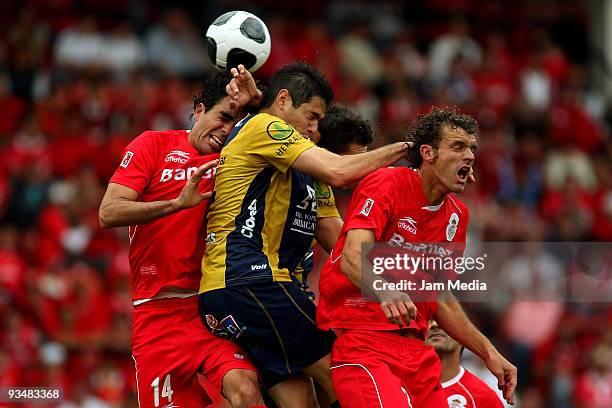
column 170, row 346
column 372, row 369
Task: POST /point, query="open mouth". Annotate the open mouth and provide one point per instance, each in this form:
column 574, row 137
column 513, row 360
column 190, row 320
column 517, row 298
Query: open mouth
column 463, row 173
column 217, row 144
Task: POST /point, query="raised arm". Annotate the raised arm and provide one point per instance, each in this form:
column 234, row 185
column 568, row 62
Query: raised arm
column 340, row 171
column 453, row 320
column 120, row 207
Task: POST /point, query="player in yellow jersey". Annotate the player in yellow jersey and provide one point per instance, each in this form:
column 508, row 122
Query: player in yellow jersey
column 341, row 131
column 261, row 225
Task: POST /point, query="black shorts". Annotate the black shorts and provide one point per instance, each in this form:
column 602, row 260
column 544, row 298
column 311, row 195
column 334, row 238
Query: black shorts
column 274, row 322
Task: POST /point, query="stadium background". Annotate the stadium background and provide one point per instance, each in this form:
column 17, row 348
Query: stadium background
column 80, row 79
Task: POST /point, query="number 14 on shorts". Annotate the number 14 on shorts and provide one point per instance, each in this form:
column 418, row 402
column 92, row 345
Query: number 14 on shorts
column 166, row 391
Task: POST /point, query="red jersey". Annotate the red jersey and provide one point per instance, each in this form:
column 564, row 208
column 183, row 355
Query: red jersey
column 167, row 251
column 392, row 203
column 468, row 391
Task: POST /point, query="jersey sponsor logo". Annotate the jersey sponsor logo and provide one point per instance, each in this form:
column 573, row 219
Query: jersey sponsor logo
column 451, row 228
column 239, row 356
column 427, row 248
column 457, row 401
column 182, row 174
column 278, row 130
column 126, row 159
column 177, row 156
column 323, row 190
column 287, row 144
column 249, row 224
column 408, row 224
column 367, row 207
column 259, row 267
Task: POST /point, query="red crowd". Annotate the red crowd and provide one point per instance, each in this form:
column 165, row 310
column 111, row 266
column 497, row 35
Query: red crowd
column 78, row 83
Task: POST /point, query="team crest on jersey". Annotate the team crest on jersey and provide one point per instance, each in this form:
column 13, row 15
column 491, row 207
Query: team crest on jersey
column 451, row 228
column 279, row 130
column 367, row 207
column 457, row 401
column 126, row 159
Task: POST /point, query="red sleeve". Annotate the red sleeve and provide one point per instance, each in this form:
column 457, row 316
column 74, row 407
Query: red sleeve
column 137, row 162
column 372, row 203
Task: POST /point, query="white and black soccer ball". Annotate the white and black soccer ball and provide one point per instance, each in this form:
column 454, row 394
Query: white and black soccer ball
column 238, row 37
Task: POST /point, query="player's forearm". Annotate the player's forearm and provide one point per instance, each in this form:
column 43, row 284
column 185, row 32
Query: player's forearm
column 453, row 320
column 120, row 213
column 349, row 169
column 350, row 265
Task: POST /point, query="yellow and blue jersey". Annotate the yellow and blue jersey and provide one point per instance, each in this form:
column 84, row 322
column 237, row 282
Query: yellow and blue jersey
column 326, row 207
column 264, row 215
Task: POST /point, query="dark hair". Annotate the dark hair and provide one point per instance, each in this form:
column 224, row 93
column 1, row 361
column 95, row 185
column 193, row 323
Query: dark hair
column 426, row 129
column 302, row 80
column 213, row 90
column 340, row 127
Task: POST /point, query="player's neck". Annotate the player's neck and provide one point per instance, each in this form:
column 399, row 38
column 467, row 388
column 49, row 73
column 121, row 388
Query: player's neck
column 272, row 110
column 450, row 366
column 433, row 189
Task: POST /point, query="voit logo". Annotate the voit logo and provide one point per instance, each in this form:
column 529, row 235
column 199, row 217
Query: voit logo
column 177, row 156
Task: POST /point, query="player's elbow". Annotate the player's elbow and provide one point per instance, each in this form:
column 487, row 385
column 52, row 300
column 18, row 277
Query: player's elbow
column 105, row 217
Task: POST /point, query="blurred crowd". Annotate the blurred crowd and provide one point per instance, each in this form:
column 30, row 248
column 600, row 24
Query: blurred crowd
column 80, row 79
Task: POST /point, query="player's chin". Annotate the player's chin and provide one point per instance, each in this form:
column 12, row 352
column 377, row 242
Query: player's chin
column 459, row 184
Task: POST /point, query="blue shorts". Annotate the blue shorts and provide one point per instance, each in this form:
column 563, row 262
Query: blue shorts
column 274, row 322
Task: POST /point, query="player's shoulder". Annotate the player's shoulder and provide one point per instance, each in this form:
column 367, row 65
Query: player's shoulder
column 260, row 126
column 162, row 136
column 170, row 133
column 397, row 177
column 273, row 125
column 481, row 390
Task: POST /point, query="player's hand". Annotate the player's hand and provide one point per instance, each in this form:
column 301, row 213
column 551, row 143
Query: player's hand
column 506, row 375
column 190, row 195
column 397, row 307
column 471, row 178
column 242, row 89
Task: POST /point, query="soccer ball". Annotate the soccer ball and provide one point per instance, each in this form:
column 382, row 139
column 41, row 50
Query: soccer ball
column 238, row 37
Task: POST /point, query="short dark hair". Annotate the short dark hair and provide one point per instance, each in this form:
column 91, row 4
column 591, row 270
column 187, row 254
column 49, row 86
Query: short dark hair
column 213, row 90
column 341, row 126
column 302, row 80
column 426, row 129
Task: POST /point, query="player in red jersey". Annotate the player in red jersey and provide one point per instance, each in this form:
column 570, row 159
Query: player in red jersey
column 379, row 358
column 461, row 388
column 161, row 190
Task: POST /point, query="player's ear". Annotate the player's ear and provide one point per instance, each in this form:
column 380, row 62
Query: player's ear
column 283, row 99
column 199, row 110
column 428, row 153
